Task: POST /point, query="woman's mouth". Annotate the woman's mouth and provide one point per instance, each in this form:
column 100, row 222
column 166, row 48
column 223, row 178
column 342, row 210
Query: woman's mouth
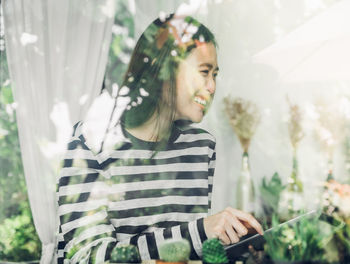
column 201, row 102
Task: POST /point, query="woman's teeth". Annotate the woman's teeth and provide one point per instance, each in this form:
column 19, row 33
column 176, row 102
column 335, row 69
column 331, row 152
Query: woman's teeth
column 200, row 101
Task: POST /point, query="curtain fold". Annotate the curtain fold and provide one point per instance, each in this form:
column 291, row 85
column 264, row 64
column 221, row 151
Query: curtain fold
column 57, row 54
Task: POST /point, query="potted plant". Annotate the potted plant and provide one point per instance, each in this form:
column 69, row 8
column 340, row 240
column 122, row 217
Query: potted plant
column 304, row 242
column 214, row 252
column 125, row 254
column 174, row 251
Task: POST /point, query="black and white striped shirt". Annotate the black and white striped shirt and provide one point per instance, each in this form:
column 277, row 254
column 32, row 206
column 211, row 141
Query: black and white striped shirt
column 134, row 197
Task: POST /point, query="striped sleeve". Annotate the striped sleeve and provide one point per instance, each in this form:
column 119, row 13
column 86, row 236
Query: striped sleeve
column 211, row 170
column 149, row 242
column 85, row 232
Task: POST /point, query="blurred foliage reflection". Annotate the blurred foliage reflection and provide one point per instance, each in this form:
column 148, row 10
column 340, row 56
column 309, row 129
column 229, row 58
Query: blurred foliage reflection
column 18, row 238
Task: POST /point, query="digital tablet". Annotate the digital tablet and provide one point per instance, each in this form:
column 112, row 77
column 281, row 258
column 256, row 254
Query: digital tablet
column 236, row 250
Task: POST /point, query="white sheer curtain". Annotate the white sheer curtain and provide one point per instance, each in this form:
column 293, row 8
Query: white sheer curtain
column 57, row 53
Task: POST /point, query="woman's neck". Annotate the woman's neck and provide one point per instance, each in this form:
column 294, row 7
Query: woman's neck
column 148, row 131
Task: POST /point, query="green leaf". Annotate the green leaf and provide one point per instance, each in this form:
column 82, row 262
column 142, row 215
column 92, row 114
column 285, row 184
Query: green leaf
column 116, row 45
column 270, row 193
column 6, row 95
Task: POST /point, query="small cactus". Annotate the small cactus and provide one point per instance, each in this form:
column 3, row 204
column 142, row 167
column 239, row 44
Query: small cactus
column 175, row 250
column 214, row 252
column 125, row 254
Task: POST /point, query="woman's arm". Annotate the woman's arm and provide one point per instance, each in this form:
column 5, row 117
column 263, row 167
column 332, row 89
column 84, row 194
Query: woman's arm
column 211, row 170
column 148, row 242
column 230, row 224
column 85, row 232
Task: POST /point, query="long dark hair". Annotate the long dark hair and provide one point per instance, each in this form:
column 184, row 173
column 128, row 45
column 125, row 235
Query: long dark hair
column 151, row 75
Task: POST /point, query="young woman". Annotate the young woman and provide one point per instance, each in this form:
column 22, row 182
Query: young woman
column 156, row 180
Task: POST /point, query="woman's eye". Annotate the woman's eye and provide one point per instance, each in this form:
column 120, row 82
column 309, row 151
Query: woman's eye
column 205, row 72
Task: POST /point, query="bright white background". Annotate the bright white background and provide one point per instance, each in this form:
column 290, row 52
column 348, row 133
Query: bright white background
column 247, row 32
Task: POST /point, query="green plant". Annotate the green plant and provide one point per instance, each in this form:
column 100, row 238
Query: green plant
column 122, row 45
column 270, row 191
column 11, row 174
column 336, row 200
column 342, row 238
column 304, row 241
column 214, row 252
column 18, row 238
column 175, row 250
column 125, row 254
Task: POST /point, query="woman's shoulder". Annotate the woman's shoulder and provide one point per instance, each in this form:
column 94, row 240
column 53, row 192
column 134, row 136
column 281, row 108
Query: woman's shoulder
column 191, row 131
column 97, row 140
column 77, row 132
column 78, row 135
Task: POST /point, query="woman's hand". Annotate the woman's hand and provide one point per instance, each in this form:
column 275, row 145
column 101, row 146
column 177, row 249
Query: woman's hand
column 230, row 224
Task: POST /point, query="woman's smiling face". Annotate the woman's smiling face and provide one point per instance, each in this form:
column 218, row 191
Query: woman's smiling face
column 195, row 83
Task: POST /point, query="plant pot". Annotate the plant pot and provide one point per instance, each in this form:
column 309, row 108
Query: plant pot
column 158, row 261
column 291, row 262
column 214, row 263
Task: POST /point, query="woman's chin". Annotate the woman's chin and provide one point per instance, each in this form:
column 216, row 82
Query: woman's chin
column 197, row 119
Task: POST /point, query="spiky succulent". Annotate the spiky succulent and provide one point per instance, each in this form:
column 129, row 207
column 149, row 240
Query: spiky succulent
column 214, row 252
column 175, row 250
column 125, row 254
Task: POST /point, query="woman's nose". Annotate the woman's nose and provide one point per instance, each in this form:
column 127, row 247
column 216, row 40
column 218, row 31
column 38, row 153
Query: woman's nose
column 210, row 85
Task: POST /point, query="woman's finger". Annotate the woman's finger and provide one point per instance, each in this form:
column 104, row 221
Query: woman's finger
column 240, row 229
column 247, row 218
column 224, row 238
column 231, row 233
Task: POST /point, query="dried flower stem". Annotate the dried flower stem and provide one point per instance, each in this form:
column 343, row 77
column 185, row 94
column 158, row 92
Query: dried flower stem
column 294, row 125
column 244, row 118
